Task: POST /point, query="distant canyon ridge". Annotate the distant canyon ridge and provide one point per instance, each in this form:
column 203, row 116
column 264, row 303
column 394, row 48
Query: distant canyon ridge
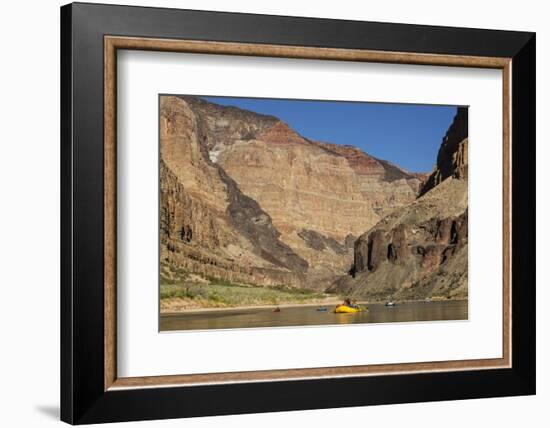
column 246, row 199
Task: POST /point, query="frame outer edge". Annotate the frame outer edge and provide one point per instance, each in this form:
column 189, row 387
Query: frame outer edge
column 241, row 27
column 82, row 400
column 66, row 304
column 523, row 218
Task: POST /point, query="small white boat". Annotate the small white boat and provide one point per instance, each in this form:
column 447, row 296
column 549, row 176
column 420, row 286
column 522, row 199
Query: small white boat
column 390, row 303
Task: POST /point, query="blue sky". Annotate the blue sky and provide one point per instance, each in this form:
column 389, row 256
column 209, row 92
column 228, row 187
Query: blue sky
column 406, row 134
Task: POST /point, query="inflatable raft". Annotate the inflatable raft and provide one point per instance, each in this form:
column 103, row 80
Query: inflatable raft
column 344, row 309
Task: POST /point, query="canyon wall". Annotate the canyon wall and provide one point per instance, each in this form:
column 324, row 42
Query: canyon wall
column 246, row 198
column 421, row 249
column 452, row 157
column 207, row 225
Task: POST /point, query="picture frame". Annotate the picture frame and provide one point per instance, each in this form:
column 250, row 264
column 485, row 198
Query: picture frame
column 91, row 35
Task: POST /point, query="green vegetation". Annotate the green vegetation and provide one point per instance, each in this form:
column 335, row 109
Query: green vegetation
column 172, row 275
column 181, row 290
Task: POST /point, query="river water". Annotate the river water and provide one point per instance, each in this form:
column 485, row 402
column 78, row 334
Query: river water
column 309, row 315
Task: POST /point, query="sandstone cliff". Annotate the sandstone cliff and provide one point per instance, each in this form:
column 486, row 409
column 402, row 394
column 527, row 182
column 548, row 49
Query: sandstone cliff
column 245, row 198
column 207, row 225
column 307, row 188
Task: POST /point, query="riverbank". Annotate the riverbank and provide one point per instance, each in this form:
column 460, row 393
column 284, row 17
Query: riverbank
column 172, row 306
column 328, row 301
column 216, row 294
column 181, row 291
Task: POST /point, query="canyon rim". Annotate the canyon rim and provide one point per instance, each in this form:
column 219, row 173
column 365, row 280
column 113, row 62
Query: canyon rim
column 258, row 218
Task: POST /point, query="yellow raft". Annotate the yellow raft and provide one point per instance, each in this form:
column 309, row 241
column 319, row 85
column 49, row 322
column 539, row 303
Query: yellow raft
column 344, row 309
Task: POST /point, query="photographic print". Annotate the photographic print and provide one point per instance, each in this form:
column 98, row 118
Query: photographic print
column 287, row 212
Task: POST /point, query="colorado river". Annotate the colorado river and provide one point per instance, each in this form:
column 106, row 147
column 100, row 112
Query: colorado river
column 307, row 315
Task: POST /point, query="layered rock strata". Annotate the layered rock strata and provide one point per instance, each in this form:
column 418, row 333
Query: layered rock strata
column 420, row 250
column 244, row 197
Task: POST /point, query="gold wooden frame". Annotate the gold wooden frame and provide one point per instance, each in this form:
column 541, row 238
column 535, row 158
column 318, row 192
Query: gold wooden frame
column 113, row 43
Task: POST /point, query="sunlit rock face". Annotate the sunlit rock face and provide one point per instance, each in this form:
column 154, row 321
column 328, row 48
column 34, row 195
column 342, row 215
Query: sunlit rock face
column 207, row 225
column 246, row 198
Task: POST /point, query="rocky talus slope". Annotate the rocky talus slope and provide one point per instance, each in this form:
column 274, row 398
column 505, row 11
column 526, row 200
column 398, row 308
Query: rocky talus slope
column 246, row 198
column 421, row 249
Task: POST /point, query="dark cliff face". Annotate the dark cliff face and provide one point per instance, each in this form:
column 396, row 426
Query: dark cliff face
column 185, row 218
column 452, row 158
column 410, row 260
column 320, row 242
column 433, row 242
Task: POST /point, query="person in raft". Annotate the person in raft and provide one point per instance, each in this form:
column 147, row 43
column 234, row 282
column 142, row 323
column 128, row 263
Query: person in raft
column 349, row 303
